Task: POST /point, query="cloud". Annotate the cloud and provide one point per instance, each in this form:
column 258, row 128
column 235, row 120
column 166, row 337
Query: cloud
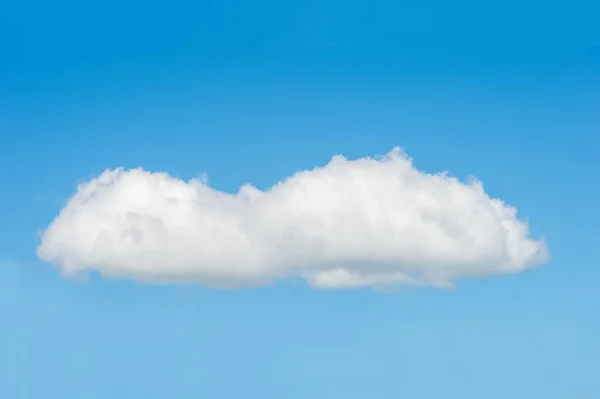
column 353, row 223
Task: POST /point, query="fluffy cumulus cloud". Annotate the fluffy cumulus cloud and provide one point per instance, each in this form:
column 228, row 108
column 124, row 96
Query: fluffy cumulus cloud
column 352, row 223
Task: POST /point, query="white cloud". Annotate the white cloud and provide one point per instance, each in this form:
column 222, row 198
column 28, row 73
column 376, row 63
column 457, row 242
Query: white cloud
column 352, row 223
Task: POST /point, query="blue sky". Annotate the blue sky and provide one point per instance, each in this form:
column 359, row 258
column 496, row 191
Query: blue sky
column 253, row 92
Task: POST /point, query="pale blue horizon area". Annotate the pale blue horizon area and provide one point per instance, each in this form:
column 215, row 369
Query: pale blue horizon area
column 253, row 92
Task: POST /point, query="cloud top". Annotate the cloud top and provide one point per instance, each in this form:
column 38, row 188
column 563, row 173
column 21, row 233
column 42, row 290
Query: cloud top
column 351, row 223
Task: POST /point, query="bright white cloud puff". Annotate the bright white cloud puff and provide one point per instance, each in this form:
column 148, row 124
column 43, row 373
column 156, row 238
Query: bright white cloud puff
column 353, row 223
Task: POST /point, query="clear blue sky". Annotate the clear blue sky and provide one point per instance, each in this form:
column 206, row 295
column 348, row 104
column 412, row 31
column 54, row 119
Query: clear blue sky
column 251, row 92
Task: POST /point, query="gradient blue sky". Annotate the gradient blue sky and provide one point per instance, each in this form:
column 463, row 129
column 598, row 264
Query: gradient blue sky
column 251, row 92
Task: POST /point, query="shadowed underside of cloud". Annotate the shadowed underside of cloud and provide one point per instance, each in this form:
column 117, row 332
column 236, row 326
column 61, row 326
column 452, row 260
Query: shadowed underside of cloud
column 353, row 223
